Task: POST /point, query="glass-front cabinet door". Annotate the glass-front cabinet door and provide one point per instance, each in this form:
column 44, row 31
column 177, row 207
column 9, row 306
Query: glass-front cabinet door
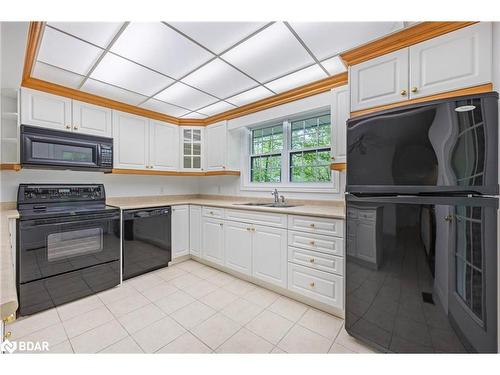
column 192, row 141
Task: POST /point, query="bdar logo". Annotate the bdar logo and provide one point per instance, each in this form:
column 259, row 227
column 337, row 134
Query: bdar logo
column 8, row 346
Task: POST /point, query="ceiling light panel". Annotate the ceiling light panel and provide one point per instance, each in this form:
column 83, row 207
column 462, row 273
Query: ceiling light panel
column 250, row 96
column 302, row 77
column 128, row 75
column 157, row 46
column 66, row 52
column 334, row 65
column 219, row 79
column 270, row 53
column 326, row 39
column 115, row 93
column 194, row 115
column 217, row 36
column 185, row 96
column 99, row 33
column 162, row 107
column 216, row 108
column 55, row 75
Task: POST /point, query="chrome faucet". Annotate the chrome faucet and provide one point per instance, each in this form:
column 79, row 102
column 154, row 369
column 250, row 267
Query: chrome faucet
column 276, row 196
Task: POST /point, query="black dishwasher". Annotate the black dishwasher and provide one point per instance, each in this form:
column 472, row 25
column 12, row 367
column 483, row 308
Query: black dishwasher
column 147, row 240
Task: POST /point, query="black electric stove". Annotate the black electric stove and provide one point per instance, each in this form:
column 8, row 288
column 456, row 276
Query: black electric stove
column 68, row 244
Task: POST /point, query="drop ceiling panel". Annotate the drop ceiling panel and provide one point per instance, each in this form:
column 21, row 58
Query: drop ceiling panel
column 194, row 115
column 157, row 46
column 66, row 52
column 219, row 79
column 115, row 93
column 52, row 74
column 326, row 39
column 218, row 107
column 250, row 96
column 162, row 107
column 99, row 33
column 217, row 36
column 128, row 75
column 334, row 65
column 302, row 77
column 271, row 53
column 185, row 96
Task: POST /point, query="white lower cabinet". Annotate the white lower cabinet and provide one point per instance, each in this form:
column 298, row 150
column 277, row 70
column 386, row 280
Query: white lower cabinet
column 213, row 240
column 195, row 230
column 180, row 231
column 269, row 255
column 238, row 246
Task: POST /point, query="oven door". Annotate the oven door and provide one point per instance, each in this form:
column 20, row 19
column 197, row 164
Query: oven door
column 55, row 246
column 421, row 273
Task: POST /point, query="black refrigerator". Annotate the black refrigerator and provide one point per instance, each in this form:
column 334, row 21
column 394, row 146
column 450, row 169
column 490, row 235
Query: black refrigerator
column 421, row 233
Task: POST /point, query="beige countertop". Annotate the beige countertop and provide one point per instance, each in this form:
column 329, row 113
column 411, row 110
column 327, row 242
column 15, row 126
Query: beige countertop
column 328, row 209
column 8, row 294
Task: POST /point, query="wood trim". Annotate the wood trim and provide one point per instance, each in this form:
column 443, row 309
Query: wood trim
column 401, row 39
column 467, row 91
column 338, row 167
column 35, row 33
column 174, row 173
column 10, row 167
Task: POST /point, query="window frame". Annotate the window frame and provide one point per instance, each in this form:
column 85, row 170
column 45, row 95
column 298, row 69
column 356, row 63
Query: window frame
column 333, row 186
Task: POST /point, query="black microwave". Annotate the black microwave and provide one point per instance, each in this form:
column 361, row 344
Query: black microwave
column 54, row 149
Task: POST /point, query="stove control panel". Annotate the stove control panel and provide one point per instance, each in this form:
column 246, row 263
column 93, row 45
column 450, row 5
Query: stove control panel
column 55, row 193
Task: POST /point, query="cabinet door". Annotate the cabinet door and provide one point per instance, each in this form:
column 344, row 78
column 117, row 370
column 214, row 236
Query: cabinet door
column 91, row 119
column 215, row 141
column 191, row 149
column 163, row 146
column 269, row 255
column 452, row 61
column 180, row 231
column 45, row 110
column 238, row 246
column 380, row 81
column 213, row 240
column 130, row 140
column 195, row 230
column 339, row 116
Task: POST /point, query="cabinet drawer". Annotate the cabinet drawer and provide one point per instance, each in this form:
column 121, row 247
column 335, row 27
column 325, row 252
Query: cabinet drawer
column 317, row 260
column 322, row 286
column 329, row 227
column 213, row 212
column 261, row 218
column 316, row 242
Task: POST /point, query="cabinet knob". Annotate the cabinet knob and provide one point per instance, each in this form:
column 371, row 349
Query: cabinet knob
column 311, row 260
column 312, row 225
column 7, row 335
column 10, row 318
column 312, row 243
column 211, row 212
column 403, row 92
column 311, row 284
column 221, row 224
column 448, row 218
column 75, row 127
column 414, row 89
column 333, row 157
column 68, row 126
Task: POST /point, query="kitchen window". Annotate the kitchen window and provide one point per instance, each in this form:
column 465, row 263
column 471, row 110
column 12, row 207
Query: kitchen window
column 292, row 154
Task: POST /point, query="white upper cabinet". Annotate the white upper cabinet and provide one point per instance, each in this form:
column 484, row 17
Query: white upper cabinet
column 216, row 146
column 339, row 116
column 163, row 146
column 45, row 110
column 91, row 119
column 180, row 231
column 130, row 141
column 379, row 81
column 191, row 148
column 452, row 61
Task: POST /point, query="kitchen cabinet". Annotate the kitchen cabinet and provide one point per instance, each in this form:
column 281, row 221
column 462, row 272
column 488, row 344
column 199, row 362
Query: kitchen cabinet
column 191, row 149
column 59, row 113
column 195, row 230
column 140, row 143
column 215, row 140
column 456, row 60
column 451, row 61
column 180, row 231
column 340, row 113
column 213, row 240
column 379, row 81
column 238, row 246
column 269, row 255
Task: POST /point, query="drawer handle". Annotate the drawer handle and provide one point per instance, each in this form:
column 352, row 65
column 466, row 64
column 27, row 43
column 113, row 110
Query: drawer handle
column 311, row 284
column 403, row 92
column 311, row 260
column 312, row 225
column 312, row 243
column 211, row 212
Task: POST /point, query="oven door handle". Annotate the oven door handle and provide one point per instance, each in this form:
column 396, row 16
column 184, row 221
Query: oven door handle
column 64, row 220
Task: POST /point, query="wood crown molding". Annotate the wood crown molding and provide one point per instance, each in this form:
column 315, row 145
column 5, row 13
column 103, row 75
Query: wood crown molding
column 35, row 36
column 400, row 39
column 175, row 173
column 449, row 94
column 10, row 167
column 338, row 167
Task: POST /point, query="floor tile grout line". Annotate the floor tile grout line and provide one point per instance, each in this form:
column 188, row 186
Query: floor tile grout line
column 288, row 331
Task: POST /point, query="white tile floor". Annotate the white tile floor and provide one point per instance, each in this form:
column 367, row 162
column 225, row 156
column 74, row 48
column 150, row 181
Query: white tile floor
column 187, row 308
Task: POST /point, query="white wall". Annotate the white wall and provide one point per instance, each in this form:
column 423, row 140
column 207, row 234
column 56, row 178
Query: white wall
column 115, row 185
